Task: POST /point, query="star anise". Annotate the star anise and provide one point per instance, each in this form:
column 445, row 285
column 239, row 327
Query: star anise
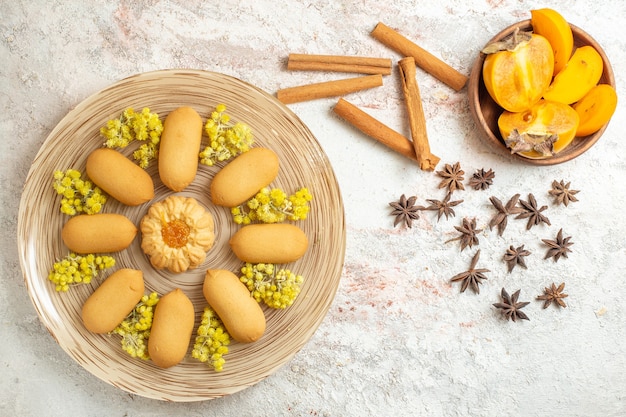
column 558, row 247
column 542, row 143
column 500, row 219
column 532, row 213
column 468, row 236
column 452, row 177
column 405, row 210
column 515, row 256
column 554, row 295
column 510, row 307
column 443, row 207
column 562, row 194
column 472, row 277
column 481, row 180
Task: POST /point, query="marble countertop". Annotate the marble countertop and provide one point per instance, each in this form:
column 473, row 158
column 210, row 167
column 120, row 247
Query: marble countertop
column 399, row 338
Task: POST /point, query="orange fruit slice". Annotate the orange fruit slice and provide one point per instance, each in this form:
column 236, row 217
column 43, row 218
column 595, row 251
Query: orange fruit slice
column 541, row 131
column 595, row 109
column 550, row 24
column 582, row 72
column 516, row 76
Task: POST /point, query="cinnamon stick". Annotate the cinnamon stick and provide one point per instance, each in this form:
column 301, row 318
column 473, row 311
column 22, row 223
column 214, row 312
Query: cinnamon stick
column 424, row 59
column 328, row 88
column 374, row 128
column 417, row 121
column 339, row 63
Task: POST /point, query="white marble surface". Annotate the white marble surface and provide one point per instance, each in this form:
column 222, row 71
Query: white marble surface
column 399, row 339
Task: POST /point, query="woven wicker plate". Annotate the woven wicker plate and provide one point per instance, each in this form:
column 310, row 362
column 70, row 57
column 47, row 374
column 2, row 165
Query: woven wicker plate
column 303, row 163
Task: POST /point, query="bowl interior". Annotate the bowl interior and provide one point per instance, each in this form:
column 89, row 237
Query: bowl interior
column 486, row 112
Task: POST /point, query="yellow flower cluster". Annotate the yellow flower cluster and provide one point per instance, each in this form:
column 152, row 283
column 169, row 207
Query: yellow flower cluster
column 144, row 126
column 300, row 204
column 226, row 140
column 77, row 195
column 273, row 206
column 77, row 269
column 212, row 340
column 277, row 288
column 135, row 328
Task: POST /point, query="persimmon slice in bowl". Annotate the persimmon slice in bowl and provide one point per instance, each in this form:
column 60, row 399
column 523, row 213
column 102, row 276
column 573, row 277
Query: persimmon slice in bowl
column 552, row 25
column 595, row 109
column 518, row 69
column 581, row 74
column 541, row 131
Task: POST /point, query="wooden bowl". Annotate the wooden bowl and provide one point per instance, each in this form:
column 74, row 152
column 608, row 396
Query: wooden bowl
column 486, row 112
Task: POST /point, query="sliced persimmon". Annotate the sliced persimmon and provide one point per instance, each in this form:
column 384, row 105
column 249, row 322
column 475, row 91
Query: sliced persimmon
column 552, row 25
column 517, row 70
column 595, row 109
column 541, row 131
column 582, row 72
